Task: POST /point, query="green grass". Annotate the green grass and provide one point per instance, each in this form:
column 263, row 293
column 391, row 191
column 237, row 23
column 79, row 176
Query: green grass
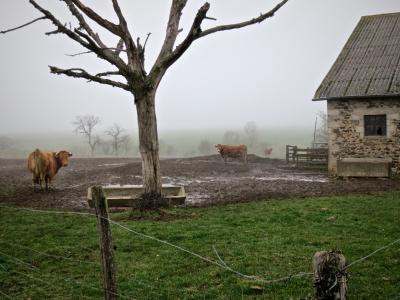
column 269, row 239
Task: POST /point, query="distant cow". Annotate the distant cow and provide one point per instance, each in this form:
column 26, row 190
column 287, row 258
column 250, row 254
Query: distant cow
column 45, row 165
column 232, row 151
column 267, row 152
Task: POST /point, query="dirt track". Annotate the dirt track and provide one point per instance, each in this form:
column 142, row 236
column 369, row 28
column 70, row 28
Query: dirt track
column 206, row 179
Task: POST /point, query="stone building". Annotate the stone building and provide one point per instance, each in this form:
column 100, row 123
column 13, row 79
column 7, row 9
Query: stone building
column 362, row 90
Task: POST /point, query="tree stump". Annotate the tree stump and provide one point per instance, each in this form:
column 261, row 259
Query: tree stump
column 330, row 278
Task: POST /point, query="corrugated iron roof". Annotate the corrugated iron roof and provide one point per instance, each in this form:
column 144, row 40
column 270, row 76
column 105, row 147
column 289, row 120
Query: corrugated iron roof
column 369, row 63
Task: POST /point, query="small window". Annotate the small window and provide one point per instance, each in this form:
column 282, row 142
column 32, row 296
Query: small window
column 375, row 125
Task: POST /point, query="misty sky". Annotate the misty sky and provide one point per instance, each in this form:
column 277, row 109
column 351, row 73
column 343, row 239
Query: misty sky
column 265, row 73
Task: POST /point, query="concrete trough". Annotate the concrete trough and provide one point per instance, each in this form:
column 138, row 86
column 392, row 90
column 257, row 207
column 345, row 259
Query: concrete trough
column 128, row 195
column 364, row 167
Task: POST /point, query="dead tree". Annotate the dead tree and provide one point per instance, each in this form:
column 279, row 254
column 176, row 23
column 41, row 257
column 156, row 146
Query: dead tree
column 117, row 139
column 141, row 83
column 250, row 129
column 84, row 125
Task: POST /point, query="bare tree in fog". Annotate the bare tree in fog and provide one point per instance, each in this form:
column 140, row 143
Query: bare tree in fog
column 106, row 147
column 231, row 137
column 167, row 149
column 322, row 129
column 205, row 147
column 130, row 68
column 115, row 132
column 125, row 143
column 250, row 129
column 85, row 125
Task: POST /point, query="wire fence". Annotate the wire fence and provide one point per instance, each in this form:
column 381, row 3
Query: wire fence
column 219, row 263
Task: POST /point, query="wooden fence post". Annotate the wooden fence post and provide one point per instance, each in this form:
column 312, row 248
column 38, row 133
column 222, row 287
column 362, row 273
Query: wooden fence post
column 330, row 278
column 106, row 247
column 287, row 154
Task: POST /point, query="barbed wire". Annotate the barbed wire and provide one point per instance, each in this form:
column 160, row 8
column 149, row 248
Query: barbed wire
column 51, row 255
column 372, row 253
column 37, row 279
column 250, row 277
column 66, row 280
column 219, row 264
column 7, row 296
column 67, row 258
column 21, row 262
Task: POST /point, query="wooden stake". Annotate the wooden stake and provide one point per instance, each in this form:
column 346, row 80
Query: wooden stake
column 330, row 279
column 106, row 247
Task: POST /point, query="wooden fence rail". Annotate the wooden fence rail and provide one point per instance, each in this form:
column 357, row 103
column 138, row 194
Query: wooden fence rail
column 298, row 155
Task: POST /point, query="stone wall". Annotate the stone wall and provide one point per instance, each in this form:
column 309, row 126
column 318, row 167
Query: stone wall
column 346, row 131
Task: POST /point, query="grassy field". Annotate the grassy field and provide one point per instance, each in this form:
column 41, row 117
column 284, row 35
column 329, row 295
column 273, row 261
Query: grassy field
column 44, row 255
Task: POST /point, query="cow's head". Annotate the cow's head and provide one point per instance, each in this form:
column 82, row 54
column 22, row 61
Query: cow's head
column 219, row 147
column 62, row 157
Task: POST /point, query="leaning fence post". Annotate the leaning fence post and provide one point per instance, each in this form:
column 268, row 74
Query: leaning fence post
column 106, row 247
column 330, row 277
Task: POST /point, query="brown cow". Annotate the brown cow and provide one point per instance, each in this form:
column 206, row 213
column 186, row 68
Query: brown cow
column 45, row 165
column 232, row 151
column 267, row 152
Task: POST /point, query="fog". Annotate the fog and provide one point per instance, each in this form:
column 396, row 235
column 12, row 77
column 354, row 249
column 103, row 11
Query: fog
column 266, row 73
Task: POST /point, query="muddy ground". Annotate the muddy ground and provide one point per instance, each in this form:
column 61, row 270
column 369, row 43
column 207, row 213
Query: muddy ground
column 207, row 181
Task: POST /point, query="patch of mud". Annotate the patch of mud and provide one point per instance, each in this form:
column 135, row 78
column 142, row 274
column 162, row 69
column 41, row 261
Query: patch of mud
column 112, row 165
column 207, row 181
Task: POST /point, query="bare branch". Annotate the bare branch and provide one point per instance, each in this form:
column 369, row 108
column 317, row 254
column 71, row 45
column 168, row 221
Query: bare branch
column 85, row 40
column 145, row 42
column 259, row 19
column 97, row 18
column 135, row 61
column 108, row 73
column 193, row 34
column 196, row 32
column 22, row 26
column 83, row 24
column 119, row 48
column 87, row 52
column 81, row 73
column 172, row 28
column 60, row 27
column 53, row 32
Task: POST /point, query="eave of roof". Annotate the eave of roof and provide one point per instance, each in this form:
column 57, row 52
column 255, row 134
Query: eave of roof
column 367, row 97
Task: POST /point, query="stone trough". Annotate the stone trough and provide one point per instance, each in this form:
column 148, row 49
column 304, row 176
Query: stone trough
column 128, row 195
column 364, row 167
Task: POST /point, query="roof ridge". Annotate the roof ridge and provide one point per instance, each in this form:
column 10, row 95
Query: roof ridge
column 379, row 15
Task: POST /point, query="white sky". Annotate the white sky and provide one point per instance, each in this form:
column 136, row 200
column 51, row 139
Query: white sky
column 265, row 73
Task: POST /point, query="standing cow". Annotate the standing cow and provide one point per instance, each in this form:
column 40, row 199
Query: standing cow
column 232, row 151
column 267, row 152
column 45, row 165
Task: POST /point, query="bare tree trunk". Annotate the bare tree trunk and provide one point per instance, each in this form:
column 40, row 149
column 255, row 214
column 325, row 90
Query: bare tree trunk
column 149, row 150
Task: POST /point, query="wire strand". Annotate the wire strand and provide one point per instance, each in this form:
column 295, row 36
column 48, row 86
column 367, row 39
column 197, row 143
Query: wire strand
column 7, row 296
column 51, row 255
column 372, row 253
column 221, row 265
